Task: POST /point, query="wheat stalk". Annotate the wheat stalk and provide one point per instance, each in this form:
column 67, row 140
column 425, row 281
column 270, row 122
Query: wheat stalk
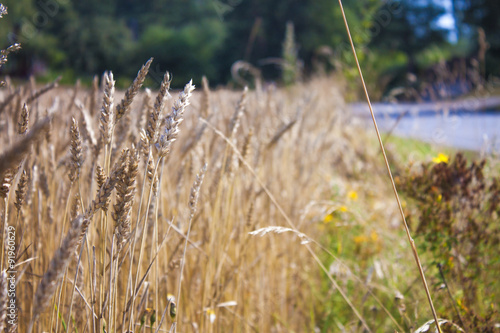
column 193, row 201
column 164, row 142
column 205, row 108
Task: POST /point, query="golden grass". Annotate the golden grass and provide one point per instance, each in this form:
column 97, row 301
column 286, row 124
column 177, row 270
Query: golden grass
column 275, row 157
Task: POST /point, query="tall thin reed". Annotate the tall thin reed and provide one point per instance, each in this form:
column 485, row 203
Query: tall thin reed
column 93, row 95
column 193, row 201
column 405, row 224
column 205, row 101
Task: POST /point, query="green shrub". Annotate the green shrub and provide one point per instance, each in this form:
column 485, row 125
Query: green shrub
column 458, row 209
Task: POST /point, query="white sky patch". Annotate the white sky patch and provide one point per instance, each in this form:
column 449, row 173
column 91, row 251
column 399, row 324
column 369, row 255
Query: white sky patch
column 446, row 21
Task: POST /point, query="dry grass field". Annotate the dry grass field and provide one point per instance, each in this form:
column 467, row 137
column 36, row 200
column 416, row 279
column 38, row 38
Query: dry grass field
column 263, row 210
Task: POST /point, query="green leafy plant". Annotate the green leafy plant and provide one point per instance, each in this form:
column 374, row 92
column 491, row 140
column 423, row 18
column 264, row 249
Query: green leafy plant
column 457, row 207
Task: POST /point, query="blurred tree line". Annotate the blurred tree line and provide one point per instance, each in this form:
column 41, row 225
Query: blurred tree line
column 191, row 38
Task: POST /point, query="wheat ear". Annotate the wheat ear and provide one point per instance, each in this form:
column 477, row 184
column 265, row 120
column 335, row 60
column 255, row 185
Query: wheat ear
column 76, row 151
column 16, row 152
column 125, row 188
column 124, row 106
column 22, row 190
column 238, row 113
column 154, row 121
column 107, row 114
column 174, row 119
column 55, row 272
column 5, row 53
column 24, row 120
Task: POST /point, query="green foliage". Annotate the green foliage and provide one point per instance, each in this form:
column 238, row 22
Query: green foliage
column 459, row 226
column 207, row 37
column 402, row 30
column 191, row 49
column 185, row 36
column 327, row 27
column 407, row 28
column 93, row 36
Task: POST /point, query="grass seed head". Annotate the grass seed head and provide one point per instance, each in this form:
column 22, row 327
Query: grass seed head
column 124, row 106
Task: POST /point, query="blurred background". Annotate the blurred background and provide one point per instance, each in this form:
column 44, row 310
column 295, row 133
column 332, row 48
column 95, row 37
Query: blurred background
column 413, row 50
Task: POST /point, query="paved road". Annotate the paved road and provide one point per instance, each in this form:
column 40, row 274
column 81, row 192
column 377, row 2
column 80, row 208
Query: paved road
column 467, row 124
column 467, row 104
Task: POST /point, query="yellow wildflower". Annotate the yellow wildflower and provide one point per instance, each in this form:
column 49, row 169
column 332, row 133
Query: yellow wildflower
column 353, row 195
column 439, row 198
column 374, row 236
column 360, row 239
column 343, row 209
column 441, row 158
column 328, row 218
